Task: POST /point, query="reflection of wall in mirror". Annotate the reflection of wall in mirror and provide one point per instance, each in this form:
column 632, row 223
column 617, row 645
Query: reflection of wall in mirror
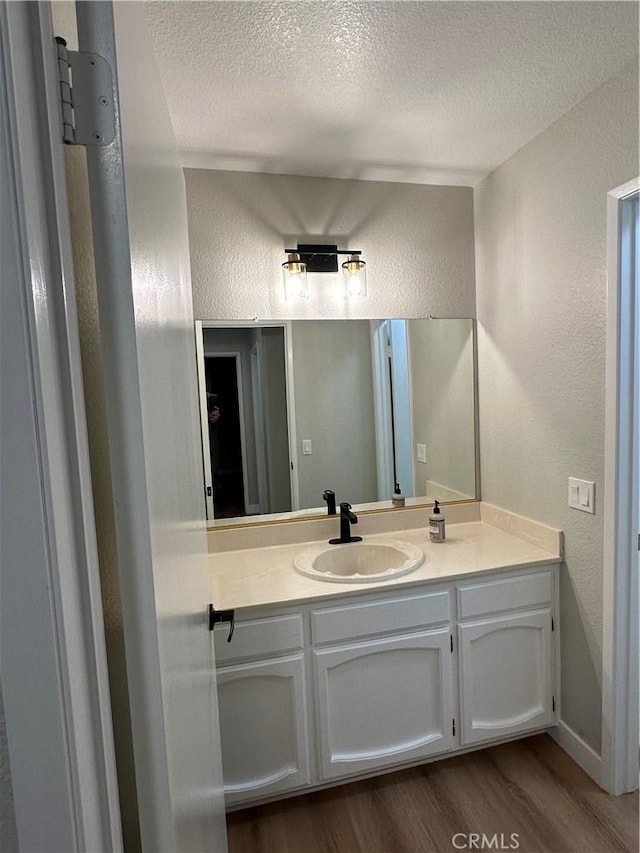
column 334, row 408
column 441, row 365
column 274, row 406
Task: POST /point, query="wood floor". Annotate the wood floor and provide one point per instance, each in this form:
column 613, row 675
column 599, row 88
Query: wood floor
column 530, row 787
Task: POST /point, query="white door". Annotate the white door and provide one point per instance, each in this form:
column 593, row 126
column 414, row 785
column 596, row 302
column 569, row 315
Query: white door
column 263, row 721
column 155, row 456
column 384, row 702
column 505, row 676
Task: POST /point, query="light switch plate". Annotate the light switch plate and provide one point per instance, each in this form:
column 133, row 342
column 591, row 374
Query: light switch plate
column 582, row 495
column 421, row 452
column 306, row 447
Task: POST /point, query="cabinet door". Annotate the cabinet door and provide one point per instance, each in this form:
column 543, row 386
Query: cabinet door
column 505, row 675
column 263, row 724
column 383, row 702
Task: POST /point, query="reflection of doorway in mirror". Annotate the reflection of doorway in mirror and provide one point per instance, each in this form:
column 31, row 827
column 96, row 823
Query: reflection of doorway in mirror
column 392, row 395
column 226, row 436
column 257, row 387
column 401, row 405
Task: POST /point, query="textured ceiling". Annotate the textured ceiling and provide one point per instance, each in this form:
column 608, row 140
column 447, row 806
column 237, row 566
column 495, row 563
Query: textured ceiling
column 427, row 92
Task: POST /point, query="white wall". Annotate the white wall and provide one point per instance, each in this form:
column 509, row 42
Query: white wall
column 540, row 259
column 417, row 241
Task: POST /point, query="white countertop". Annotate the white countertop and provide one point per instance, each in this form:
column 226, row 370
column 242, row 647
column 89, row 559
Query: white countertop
column 257, row 577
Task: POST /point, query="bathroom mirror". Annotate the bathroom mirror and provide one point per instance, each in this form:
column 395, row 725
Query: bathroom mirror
column 292, row 408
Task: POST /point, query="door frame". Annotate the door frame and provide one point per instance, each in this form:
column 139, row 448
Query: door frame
column 382, row 404
column 204, row 422
column 619, row 771
column 63, row 773
column 255, row 361
column 402, row 402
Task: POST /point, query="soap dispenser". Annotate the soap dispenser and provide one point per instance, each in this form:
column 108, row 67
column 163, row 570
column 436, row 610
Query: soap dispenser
column 398, row 497
column 436, row 524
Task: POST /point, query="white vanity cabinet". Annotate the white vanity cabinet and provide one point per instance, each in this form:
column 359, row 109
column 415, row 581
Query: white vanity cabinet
column 506, row 658
column 263, row 716
column 382, row 700
column 347, row 686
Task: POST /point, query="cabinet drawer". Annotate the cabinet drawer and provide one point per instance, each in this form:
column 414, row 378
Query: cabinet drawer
column 504, row 594
column 257, row 637
column 334, row 624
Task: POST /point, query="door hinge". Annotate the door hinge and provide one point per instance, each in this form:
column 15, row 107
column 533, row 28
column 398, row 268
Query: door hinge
column 453, row 726
column 553, row 703
column 553, row 624
column 87, row 106
column 451, row 641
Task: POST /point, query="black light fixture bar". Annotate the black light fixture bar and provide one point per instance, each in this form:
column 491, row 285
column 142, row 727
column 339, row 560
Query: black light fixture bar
column 321, row 257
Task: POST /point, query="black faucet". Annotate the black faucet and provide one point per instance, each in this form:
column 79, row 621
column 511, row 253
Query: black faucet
column 330, row 498
column 347, row 518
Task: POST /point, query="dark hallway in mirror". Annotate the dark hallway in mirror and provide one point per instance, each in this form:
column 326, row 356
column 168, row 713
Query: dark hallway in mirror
column 249, row 472
column 225, row 440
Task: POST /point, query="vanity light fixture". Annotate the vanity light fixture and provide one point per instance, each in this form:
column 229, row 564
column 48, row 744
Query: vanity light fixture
column 311, row 257
column 355, row 277
column 294, row 273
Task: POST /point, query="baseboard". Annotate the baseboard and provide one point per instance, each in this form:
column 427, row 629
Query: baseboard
column 578, row 749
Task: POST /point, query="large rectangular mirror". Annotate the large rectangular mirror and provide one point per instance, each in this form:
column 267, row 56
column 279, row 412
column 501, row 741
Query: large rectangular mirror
column 292, row 408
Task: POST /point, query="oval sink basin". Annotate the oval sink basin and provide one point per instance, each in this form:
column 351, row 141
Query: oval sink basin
column 359, row 562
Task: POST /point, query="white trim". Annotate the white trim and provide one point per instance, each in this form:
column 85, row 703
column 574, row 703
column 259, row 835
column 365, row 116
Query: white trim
column 402, row 402
column 204, row 422
column 251, row 509
column 61, row 747
column 291, row 416
column 583, row 754
column 255, row 361
column 620, row 618
column 382, row 409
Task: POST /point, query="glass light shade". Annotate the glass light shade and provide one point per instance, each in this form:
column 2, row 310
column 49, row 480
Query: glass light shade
column 294, row 274
column 355, row 278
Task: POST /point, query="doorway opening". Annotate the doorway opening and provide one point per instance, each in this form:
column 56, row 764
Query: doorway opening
column 621, row 595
